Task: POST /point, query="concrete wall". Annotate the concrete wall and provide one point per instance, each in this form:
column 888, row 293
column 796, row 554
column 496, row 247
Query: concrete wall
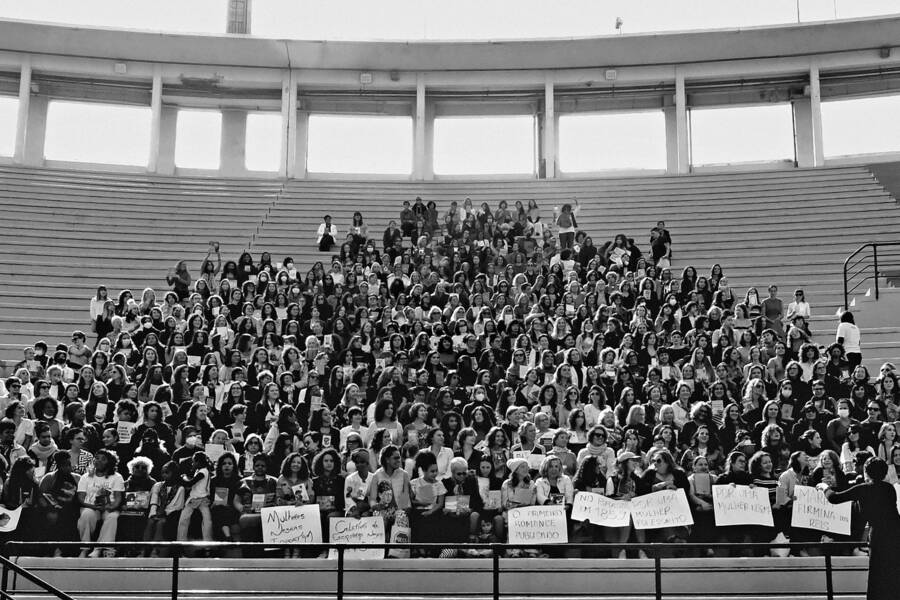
column 237, row 74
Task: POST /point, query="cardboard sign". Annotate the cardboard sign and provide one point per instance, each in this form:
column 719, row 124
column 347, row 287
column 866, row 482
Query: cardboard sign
column 601, row 510
column 9, row 519
column 214, row 451
column 125, row 430
column 367, row 530
column 292, row 525
column 538, row 525
column 813, row 511
column 741, row 505
column 136, row 501
column 667, row 508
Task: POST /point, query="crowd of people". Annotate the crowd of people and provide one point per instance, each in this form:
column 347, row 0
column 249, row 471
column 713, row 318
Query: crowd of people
column 462, row 364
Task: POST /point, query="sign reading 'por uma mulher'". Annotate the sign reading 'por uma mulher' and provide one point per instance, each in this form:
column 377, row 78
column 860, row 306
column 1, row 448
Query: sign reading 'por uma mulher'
column 538, row 525
column 812, row 510
column 741, row 505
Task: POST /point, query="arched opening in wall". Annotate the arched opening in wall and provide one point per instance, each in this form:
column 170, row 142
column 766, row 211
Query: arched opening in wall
column 92, row 132
column 360, row 144
column 591, row 142
column 198, row 139
column 743, row 134
column 262, row 143
column 861, row 126
column 493, row 145
column 9, row 109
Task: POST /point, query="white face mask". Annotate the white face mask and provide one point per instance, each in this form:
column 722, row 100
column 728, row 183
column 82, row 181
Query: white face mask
column 843, row 413
column 479, row 396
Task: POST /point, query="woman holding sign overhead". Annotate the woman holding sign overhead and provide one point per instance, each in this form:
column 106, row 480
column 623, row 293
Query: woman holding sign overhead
column 878, row 504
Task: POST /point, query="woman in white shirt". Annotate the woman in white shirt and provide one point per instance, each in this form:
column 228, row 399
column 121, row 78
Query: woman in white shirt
column 435, row 440
column 553, row 486
column 848, row 337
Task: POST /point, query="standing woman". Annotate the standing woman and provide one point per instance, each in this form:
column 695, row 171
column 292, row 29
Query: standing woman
column 877, row 501
column 180, row 280
column 566, row 225
column 848, row 338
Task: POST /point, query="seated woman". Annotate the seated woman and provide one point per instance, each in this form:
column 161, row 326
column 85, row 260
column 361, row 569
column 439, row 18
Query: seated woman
column 518, row 490
column 426, row 517
column 58, row 503
column 257, row 491
column 100, row 496
column 664, row 474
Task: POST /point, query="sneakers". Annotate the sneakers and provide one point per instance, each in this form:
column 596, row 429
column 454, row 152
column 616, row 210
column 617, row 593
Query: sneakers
column 642, row 554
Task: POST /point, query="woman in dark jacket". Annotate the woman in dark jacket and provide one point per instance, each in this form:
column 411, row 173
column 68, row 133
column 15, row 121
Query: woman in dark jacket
column 878, row 504
column 664, row 474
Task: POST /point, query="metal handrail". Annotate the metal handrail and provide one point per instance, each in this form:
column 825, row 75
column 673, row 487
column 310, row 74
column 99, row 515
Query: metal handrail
column 9, row 565
column 873, row 265
column 828, row 549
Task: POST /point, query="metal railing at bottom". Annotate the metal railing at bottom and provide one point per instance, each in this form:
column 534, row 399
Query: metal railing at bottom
column 177, row 550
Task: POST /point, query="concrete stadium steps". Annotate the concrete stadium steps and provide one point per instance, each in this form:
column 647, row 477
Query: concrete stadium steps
column 66, row 232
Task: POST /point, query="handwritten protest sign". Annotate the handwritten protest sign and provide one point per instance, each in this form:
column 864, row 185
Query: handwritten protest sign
column 367, row 530
column 9, row 519
column 538, row 525
column 667, row 508
column 600, row 510
column 813, row 511
column 291, row 524
column 741, row 505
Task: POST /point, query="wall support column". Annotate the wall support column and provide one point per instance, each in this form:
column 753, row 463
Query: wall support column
column 682, row 133
column 289, row 165
column 549, row 146
column 420, row 158
column 168, row 122
column 232, row 148
column 155, row 119
column 36, row 130
column 815, row 113
column 24, row 108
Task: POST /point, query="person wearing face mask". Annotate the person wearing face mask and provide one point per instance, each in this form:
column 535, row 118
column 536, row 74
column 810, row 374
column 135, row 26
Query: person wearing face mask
column 836, row 432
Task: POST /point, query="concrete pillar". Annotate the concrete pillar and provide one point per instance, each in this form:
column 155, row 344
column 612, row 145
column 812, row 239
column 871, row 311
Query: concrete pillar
column 671, row 140
column 804, row 144
column 289, row 148
column 549, row 158
column 155, row 119
column 36, row 130
column 168, row 121
column 682, row 132
column 232, row 149
column 815, row 112
column 238, row 20
column 419, row 125
column 429, row 140
column 301, row 142
column 24, row 107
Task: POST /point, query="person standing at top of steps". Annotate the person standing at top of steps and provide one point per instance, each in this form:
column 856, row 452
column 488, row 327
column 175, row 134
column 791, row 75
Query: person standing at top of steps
column 326, row 235
column 848, row 337
column 566, row 224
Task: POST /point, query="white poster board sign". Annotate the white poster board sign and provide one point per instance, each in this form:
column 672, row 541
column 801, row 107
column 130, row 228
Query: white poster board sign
column 666, row 508
column 538, row 525
column 741, row 505
column 291, row 524
column 813, row 511
column 600, row 510
column 367, row 530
